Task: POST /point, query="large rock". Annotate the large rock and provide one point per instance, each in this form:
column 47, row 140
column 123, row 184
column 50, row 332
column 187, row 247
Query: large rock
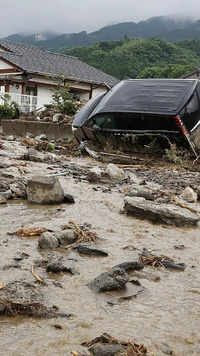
column 141, row 191
column 115, row 172
column 163, row 213
column 47, row 241
column 189, row 195
column 44, row 190
column 66, row 237
column 112, row 280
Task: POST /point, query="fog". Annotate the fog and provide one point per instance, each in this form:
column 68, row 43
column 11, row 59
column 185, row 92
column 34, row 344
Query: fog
column 68, row 16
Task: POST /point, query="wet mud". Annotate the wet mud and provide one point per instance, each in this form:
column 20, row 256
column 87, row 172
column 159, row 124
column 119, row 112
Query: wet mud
column 158, row 307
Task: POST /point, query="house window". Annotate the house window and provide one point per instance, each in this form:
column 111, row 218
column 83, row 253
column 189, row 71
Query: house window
column 29, row 90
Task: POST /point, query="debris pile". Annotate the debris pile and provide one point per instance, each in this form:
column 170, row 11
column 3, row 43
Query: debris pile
column 108, row 345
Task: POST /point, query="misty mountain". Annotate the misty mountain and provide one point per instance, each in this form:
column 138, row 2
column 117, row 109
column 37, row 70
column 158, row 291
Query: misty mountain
column 170, row 28
column 32, row 38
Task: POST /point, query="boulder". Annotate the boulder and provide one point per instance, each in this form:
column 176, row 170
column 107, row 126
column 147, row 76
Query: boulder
column 47, row 241
column 115, row 172
column 112, row 280
column 189, row 195
column 44, row 190
column 66, row 237
column 161, row 213
column 58, row 265
column 141, row 191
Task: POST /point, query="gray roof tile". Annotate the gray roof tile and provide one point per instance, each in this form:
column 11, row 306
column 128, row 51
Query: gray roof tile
column 36, row 60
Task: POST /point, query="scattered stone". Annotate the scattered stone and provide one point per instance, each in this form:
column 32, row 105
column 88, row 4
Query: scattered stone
column 115, row 172
column 21, row 256
column 85, row 250
column 126, row 348
column 57, row 265
column 68, row 198
column 160, row 213
column 189, row 195
column 141, row 191
column 57, row 117
column 106, row 349
column 41, row 137
column 18, row 190
column 7, row 194
column 10, row 138
column 45, row 190
column 130, row 266
column 2, row 200
column 66, row 237
column 48, row 241
column 133, row 179
column 111, row 280
column 24, row 298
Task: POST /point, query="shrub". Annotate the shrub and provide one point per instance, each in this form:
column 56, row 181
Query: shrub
column 8, row 110
column 63, row 101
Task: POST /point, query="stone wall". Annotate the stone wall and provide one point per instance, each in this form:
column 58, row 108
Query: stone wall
column 51, row 130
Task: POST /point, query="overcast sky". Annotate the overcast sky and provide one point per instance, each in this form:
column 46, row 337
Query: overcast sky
column 78, row 15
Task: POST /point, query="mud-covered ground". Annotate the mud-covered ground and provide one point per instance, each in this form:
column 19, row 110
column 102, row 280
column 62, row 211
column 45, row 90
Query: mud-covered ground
column 161, row 310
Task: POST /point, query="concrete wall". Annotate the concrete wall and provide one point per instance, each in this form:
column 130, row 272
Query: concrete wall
column 21, row 128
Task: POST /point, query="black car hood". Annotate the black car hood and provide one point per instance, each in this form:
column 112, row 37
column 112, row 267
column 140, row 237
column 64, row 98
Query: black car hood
column 148, row 96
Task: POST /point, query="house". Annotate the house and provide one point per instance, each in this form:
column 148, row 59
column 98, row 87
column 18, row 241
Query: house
column 28, row 74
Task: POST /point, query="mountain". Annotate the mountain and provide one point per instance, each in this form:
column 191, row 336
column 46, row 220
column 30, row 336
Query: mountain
column 33, row 38
column 170, row 28
column 141, row 57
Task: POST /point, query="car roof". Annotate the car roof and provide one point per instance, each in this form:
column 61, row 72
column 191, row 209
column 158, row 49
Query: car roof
column 152, row 96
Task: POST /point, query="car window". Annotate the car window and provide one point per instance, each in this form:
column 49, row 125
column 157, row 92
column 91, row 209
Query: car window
column 191, row 112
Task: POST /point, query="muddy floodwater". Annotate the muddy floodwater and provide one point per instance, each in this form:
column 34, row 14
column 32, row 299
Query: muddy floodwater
column 164, row 315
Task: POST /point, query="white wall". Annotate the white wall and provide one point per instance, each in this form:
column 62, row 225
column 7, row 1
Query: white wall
column 44, row 96
column 4, row 65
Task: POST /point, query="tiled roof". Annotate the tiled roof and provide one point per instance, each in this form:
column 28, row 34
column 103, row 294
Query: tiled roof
column 33, row 59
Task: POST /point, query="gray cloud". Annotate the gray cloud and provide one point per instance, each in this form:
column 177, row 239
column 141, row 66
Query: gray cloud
column 74, row 16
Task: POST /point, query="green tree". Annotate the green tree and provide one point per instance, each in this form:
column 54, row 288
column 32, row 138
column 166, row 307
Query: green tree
column 64, row 101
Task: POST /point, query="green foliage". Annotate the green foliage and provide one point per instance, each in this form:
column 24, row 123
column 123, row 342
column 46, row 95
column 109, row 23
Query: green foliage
column 168, row 71
column 63, row 101
column 141, row 58
column 8, row 110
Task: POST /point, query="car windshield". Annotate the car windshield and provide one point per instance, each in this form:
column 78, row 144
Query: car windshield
column 133, row 122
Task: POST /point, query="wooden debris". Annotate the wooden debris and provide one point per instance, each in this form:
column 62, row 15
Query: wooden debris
column 1, row 285
column 154, row 261
column 29, row 231
column 36, row 276
column 160, row 261
column 130, row 348
column 83, row 234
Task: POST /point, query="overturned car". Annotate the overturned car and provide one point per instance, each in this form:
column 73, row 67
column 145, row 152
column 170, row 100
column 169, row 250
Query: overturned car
column 168, row 108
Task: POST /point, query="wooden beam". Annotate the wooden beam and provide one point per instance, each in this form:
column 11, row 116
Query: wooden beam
column 9, row 70
column 7, row 88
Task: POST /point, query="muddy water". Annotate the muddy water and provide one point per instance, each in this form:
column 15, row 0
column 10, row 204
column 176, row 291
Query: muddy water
column 166, row 312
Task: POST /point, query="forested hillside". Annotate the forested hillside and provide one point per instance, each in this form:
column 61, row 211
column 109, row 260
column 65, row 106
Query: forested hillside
column 141, row 58
column 172, row 28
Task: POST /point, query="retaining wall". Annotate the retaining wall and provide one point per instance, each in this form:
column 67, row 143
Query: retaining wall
column 53, row 131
